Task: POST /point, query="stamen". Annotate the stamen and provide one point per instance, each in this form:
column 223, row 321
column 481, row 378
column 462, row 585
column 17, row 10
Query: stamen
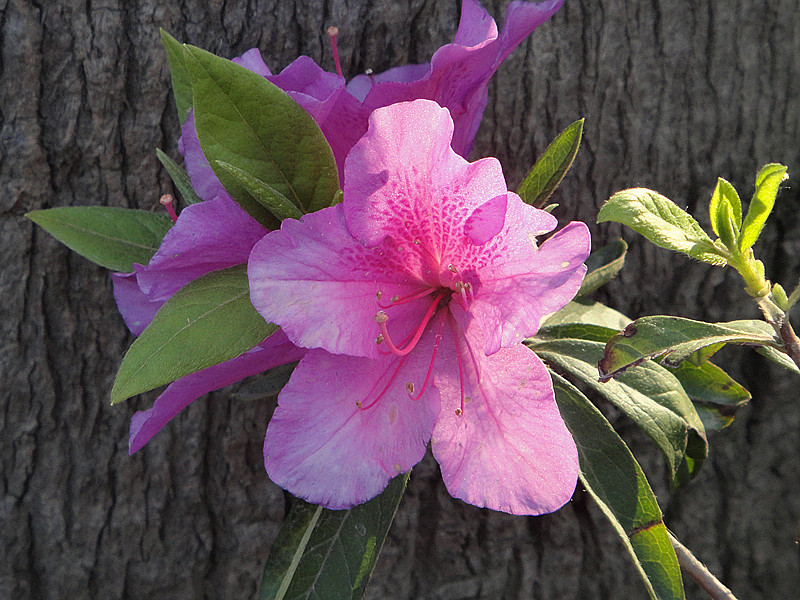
column 460, row 410
column 166, row 202
column 379, row 294
column 430, row 366
column 397, row 300
column 452, row 269
column 332, row 33
column 360, row 405
column 381, row 318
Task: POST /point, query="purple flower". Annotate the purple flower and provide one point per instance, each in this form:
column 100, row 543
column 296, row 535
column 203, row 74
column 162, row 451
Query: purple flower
column 457, row 78
column 413, row 297
column 207, row 236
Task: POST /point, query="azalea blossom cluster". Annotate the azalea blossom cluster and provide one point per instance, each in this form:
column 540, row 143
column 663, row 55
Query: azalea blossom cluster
column 406, row 305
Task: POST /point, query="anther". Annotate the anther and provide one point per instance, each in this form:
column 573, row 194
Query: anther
column 379, row 339
column 459, row 412
column 381, row 317
column 166, row 202
column 410, row 387
column 332, row 33
column 452, row 268
column 358, row 403
column 379, row 294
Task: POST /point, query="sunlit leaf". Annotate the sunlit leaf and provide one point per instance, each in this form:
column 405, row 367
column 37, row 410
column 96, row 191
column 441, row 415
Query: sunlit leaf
column 768, row 182
column 662, row 222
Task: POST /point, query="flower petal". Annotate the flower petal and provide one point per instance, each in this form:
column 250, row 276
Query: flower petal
column 207, row 236
column 322, row 447
column 509, row 450
column 519, row 284
column 136, row 308
column 252, row 61
column 404, row 180
column 321, row 285
column 276, row 350
column 204, row 181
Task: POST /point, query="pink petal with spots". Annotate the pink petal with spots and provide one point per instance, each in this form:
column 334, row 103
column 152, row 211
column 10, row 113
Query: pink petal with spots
column 208, row 236
column 510, row 449
column 321, row 285
column 274, row 351
column 322, row 447
column 403, row 180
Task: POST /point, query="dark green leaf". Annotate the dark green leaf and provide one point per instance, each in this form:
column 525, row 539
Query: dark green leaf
column 270, row 198
column 112, row 237
column 614, row 479
column 321, row 554
column 725, row 193
column 266, row 384
column 716, row 396
column 674, row 339
column 650, row 396
column 209, row 321
column 180, row 178
column 592, row 313
column 602, row 265
column 551, row 166
column 181, row 84
column 576, row 331
column 662, row 222
column 244, row 120
column 768, row 182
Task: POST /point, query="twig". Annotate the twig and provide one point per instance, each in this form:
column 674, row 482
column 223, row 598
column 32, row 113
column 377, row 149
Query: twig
column 790, row 341
column 699, row 572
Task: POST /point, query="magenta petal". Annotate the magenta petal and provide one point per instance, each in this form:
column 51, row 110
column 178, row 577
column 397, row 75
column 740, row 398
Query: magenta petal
column 321, row 285
column 208, row 236
column 252, row 61
column 274, row 351
column 510, row 449
column 136, row 308
column 322, row 447
column 204, row 181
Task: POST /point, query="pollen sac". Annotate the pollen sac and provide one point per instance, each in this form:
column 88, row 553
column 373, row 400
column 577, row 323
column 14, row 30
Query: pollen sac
column 410, row 387
column 381, row 317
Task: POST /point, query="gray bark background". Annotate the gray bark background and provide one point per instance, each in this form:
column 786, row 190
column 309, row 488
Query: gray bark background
column 675, row 93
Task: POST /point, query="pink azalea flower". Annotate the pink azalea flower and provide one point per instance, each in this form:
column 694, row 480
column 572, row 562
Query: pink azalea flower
column 413, row 297
column 457, row 78
column 191, row 249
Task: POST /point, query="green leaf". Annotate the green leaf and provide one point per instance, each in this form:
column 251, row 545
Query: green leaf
column 576, row 331
column 675, row 339
column 662, row 222
column 209, row 321
column 716, row 396
column 270, row 198
column 602, row 265
column 592, row 313
column 181, row 84
column 728, row 233
column 650, row 396
column 321, row 554
column 614, row 479
column 725, row 193
column 551, row 166
column 768, row 182
column 179, row 177
column 244, row 120
column 112, row 237
column 778, row 357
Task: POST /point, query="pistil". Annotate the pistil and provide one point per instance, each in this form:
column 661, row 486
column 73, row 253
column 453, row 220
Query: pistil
column 410, row 386
column 381, row 318
column 166, row 201
column 332, row 33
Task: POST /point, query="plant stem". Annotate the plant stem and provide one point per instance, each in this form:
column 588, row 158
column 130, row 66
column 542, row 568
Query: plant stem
column 699, row 572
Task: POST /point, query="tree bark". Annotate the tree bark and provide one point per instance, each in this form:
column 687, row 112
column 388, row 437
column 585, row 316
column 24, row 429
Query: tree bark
column 674, row 92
